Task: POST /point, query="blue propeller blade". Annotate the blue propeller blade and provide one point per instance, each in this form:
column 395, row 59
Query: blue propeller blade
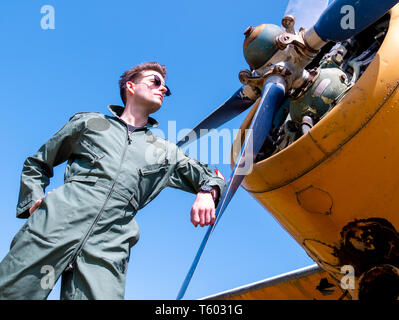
column 273, row 94
column 238, row 103
column 305, row 12
column 344, row 19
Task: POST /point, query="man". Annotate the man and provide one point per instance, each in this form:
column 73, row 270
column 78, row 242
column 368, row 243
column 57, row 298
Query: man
column 85, row 229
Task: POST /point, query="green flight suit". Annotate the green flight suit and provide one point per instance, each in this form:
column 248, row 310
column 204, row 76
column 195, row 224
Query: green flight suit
column 84, row 229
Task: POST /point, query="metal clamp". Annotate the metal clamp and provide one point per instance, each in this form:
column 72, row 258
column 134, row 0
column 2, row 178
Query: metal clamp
column 247, row 77
column 289, row 37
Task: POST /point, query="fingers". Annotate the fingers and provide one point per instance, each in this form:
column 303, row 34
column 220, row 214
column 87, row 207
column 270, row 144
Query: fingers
column 195, row 220
column 203, row 210
column 37, row 203
column 213, row 216
column 202, row 217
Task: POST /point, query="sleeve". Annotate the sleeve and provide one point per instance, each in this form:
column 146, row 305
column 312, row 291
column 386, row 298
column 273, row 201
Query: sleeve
column 38, row 168
column 189, row 175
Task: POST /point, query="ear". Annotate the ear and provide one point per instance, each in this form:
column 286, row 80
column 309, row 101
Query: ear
column 130, row 87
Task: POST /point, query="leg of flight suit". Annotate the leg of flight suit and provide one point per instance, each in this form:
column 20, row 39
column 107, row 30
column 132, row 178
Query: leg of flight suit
column 42, row 248
column 93, row 278
column 99, row 271
column 31, row 268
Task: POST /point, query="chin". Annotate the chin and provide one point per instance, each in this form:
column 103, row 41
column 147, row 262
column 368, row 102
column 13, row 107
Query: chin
column 154, row 108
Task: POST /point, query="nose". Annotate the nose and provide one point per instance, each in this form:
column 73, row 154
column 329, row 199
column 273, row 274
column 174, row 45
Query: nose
column 163, row 89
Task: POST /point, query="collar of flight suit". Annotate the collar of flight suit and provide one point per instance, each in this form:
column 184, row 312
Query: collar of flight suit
column 118, row 110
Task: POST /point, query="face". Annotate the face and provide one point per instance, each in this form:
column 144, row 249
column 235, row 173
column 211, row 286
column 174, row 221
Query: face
column 146, row 92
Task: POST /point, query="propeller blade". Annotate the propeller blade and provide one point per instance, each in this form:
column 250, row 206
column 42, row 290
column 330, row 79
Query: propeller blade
column 344, row 19
column 240, row 101
column 305, row 13
column 273, row 94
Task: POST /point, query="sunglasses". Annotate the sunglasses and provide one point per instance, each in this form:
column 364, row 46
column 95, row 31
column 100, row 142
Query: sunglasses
column 158, row 83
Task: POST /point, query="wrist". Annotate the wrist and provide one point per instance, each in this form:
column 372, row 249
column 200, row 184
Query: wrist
column 205, row 189
column 211, row 190
column 201, row 194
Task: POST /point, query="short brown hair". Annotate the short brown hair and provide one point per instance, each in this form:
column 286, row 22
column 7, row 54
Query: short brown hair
column 134, row 73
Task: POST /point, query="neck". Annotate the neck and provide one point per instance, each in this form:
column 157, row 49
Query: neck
column 134, row 116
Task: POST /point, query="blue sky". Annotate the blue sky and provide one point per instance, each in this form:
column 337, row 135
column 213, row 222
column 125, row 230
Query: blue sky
column 49, row 75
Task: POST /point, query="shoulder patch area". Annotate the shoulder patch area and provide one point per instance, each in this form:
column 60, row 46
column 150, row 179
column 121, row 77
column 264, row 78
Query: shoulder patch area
column 93, row 120
column 166, row 142
column 83, row 114
column 163, row 140
column 161, row 143
column 98, row 124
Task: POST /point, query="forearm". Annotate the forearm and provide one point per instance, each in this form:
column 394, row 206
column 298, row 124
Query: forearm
column 35, row 178
column 38, row 169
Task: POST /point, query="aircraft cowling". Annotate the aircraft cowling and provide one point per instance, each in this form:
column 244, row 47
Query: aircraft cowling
column 343, row 170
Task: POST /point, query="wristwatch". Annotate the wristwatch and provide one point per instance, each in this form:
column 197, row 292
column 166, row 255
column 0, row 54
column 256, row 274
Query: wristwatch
column 206, row 188
column 209, row 189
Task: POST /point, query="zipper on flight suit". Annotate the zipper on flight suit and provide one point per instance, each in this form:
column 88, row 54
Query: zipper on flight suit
column 81, row 245
column 129, row 139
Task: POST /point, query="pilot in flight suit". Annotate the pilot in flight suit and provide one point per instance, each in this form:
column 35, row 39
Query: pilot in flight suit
column 84, row 229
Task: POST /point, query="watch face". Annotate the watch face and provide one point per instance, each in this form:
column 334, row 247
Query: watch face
column 206, row 188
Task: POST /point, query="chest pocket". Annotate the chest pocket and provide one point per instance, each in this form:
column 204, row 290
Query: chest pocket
column 153, row 173
column 153, row 178
column 93, row 152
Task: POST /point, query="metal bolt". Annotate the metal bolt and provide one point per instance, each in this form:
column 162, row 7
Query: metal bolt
column 288, row 21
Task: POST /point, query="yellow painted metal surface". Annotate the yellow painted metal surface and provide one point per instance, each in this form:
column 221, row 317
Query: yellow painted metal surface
column 344, row 169
column 305, row 288
column 309, row 283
